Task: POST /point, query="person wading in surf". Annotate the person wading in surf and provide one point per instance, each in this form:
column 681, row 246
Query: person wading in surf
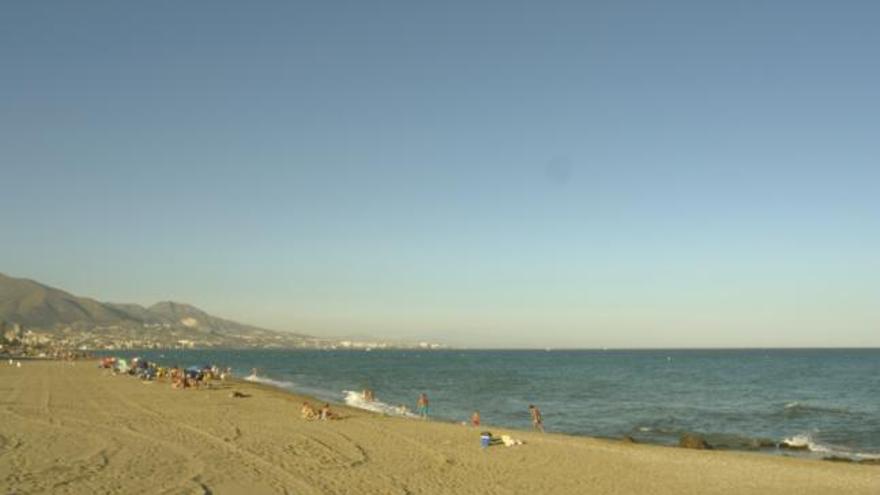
column 422, row 405
column 537, row 419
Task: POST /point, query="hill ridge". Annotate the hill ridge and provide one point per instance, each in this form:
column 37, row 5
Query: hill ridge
column 40, row 307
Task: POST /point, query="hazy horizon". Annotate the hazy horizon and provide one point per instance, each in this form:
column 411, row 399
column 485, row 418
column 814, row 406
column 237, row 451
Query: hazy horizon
column 611, row 174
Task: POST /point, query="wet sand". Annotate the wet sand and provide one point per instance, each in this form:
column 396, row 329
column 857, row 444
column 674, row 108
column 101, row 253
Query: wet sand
column 72, row 428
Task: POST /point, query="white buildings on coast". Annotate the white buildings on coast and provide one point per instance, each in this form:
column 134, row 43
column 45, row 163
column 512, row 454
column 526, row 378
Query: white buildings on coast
column 15, row 339
column 370, row 345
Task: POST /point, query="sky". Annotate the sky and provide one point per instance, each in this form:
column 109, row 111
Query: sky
column 486, row 174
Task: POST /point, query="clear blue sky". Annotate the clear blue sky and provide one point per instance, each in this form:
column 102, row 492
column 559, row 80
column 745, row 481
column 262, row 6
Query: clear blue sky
column 518, row 174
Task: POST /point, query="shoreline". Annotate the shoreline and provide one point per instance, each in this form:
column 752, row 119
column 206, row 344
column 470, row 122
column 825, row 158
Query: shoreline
column 73, row 428
column 770, row 447
column 788, row 445
column 780, row 449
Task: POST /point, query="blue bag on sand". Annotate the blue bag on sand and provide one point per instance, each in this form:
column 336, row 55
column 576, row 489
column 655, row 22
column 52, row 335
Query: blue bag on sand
column 485, row 438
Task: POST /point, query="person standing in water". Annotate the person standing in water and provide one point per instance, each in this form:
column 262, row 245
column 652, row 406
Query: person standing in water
column 537, row 419
column 422, row 405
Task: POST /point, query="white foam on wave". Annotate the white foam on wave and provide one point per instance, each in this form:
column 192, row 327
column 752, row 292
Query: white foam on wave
column 356, row 399
column 797, row 406
column 806, row 440
column 268, row 381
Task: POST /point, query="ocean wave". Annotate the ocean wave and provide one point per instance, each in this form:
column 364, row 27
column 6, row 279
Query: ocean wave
column 802, row 444
column 268, row 381
column 796, row 407
column 805, row 441
column 356, row 399
column 659, row 430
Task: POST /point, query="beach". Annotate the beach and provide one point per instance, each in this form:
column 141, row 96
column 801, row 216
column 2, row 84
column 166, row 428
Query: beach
column 73, row 428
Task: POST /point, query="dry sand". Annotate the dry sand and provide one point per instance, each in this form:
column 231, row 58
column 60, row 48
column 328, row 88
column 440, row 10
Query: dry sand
column 77, row 429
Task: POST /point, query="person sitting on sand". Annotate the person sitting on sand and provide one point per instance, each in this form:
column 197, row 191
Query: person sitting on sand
column 537, row 419
column 308, row 412
column 326, row 413
column 475, row 419
column 422, row 405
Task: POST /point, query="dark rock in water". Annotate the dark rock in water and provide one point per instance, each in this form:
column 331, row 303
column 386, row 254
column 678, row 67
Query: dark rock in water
column 792, row 446
column 762, row 443
column 692, row 441
column 836, row 458
column 736, row 442
column 628, row 439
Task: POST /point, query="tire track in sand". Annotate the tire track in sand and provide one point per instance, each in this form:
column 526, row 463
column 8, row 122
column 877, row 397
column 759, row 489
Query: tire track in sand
column 68, row 475
column 283, row 480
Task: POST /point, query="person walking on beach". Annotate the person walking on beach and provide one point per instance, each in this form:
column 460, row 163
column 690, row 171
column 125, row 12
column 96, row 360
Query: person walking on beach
column 475, row 419
column 422, row 405
column 537, row 419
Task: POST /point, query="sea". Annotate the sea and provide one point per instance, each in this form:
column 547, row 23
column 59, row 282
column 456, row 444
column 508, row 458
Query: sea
column 824, row 401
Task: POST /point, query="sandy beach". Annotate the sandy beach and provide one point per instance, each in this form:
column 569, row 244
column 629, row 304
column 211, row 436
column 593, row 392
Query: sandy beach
column 73, row 428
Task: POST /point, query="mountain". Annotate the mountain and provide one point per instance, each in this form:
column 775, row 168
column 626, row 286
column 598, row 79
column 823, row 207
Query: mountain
column 35, row 305
column 42, row 308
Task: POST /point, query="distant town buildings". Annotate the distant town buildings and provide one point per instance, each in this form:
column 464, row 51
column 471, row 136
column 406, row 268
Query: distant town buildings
column 18, row 340
column 12, row 332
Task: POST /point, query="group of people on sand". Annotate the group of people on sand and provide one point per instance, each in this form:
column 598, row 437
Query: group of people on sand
column 323, row 413
column 195, row 376
column 180, row 378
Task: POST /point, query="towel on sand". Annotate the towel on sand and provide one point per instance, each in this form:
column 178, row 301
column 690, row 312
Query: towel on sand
column 509, row 442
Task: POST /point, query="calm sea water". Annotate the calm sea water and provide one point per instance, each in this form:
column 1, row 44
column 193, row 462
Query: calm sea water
column 828, row 400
